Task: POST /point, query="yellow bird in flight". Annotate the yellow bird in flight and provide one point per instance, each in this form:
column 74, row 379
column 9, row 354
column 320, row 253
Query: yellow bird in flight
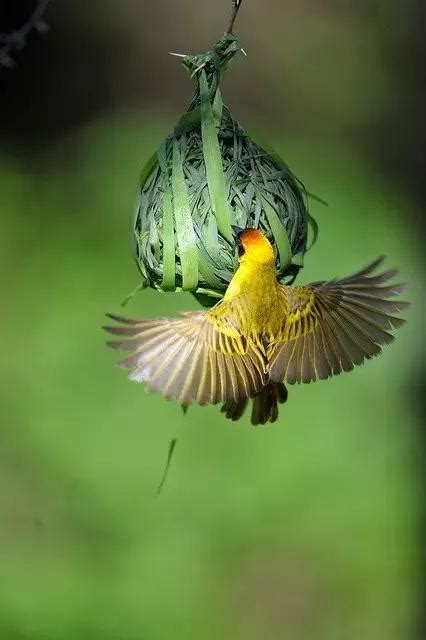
column 261, row 335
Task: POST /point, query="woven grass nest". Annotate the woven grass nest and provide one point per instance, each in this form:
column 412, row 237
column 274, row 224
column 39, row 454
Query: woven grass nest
column 206, row 176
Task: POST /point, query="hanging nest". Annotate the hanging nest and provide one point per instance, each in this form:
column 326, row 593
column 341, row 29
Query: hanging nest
column 206, row 176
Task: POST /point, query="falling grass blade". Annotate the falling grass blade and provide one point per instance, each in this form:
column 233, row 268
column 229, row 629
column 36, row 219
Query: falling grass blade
column 213, row 162
column 186, row 239
column 172, row 446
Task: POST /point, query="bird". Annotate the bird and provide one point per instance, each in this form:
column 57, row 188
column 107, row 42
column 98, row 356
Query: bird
column 262, row 335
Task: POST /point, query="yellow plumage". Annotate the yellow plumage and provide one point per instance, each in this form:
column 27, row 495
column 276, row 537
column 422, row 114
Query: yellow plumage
column 261, row 335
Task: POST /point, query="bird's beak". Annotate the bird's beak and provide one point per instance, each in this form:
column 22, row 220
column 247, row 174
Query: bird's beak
column 236, row 230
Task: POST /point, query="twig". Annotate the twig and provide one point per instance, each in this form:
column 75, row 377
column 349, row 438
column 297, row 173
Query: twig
column 237, row 5
column 15, row 40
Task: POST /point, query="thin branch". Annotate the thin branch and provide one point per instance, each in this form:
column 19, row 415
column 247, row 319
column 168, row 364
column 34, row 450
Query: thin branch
column 237, row 5
column 15, row 40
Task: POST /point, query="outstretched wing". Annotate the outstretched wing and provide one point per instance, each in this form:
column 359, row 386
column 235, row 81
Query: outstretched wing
column 331, row 326
column 188, row 358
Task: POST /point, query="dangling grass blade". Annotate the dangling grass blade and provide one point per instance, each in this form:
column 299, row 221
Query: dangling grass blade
column 172, row 446
column 132, row 294
column 186, row 239
column 213, row 162
column 313, row 196
column 314, row 227
column 168, row 235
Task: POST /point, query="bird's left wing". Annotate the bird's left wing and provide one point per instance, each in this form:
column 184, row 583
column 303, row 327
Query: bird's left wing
column 328, row 327
column 192, row 358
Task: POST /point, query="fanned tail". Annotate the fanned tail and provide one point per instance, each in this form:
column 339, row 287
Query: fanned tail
column 265, row 404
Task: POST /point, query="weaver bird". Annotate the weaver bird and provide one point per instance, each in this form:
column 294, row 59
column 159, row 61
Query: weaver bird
column 261, row 335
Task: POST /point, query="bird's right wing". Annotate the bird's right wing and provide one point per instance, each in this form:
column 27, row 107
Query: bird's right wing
column 189, row 358
column 328, row 327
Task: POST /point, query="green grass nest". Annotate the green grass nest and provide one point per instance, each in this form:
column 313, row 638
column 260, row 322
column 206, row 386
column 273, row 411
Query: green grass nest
column 206, row 176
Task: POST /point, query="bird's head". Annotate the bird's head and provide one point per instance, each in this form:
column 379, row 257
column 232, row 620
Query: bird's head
column 253, row 246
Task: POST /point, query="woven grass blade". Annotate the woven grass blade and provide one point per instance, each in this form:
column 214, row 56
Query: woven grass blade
column 280, row 236
column 213, row 162
column 169, row 261
column 184, row 228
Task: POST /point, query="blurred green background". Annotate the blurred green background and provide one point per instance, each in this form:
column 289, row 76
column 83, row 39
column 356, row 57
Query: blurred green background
column 308, row 529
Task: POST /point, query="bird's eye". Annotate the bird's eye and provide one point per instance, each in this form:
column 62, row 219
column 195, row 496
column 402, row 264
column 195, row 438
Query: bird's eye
column 241, row 250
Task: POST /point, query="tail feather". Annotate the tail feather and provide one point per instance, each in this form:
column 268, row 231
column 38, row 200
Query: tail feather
column 234, row 410
column 265, row 404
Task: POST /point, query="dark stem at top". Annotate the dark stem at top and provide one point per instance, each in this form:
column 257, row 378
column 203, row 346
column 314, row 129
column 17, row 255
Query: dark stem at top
column 237, row 5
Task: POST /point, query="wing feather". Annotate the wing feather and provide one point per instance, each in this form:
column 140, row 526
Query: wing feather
column 191, row 358
column 330, row 327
